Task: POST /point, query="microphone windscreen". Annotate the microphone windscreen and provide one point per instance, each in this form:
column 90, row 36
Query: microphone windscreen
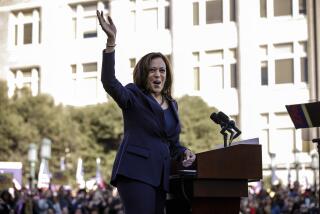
column 223, row 117
column 215, row 118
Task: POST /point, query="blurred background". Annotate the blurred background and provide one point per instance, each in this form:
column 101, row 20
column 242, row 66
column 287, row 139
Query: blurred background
column 246, row 58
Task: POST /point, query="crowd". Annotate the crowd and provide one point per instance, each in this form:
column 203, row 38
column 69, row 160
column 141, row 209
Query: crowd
column 276, row 200
column 61, row 201
column 280, row 199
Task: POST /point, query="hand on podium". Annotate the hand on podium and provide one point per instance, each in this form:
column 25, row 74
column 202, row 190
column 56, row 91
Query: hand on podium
column 189, row 158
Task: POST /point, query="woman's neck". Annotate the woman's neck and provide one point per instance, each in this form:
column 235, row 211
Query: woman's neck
column 159, row 98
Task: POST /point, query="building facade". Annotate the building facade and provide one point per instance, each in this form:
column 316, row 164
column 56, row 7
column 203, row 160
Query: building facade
column 247, row 58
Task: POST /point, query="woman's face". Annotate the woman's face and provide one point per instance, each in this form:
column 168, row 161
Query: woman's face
column 156, row 76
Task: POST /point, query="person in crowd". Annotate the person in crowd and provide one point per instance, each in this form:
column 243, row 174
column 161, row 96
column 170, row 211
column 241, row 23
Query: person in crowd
column 151, row 128
column 6, row 202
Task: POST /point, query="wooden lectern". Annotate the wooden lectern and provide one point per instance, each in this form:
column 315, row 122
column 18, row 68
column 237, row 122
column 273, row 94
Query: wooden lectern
column 216, row 181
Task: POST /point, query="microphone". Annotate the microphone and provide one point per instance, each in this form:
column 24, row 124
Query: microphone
column 226, row 124
column 220, row 118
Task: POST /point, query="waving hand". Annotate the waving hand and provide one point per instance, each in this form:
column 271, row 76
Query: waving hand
column 108, row 27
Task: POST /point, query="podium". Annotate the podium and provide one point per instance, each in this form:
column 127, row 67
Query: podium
column 216, row 181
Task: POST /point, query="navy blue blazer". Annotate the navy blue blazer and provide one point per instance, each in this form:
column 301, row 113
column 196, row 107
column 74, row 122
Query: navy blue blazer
column 146, row 149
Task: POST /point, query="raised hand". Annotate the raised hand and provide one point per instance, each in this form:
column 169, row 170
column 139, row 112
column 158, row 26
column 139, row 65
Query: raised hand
column 109, row 28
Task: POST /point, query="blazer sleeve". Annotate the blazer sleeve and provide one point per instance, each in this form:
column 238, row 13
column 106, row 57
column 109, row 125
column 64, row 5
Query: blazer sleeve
column 176, row 149
column 111, row 84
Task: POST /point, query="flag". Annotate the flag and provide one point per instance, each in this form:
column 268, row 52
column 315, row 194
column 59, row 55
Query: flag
column 44, row 174
column 80, row 174
column 99, row 179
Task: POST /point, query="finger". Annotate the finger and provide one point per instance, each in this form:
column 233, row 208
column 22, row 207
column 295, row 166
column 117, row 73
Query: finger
column 110, row 20
column 99, row 17
column 187, row 164
column 188, row 161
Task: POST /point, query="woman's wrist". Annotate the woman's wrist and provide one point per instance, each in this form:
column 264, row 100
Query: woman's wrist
column 111, row 42
column 109, row 49
column 110, row 45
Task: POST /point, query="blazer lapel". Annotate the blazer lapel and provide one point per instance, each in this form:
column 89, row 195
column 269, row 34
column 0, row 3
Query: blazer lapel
column 175, row 110
column 158, row 112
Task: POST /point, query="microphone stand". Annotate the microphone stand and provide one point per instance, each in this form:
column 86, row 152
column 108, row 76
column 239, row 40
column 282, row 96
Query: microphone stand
column 228, row 127
column 225, row 136
column 231, row 136
column 225, row 128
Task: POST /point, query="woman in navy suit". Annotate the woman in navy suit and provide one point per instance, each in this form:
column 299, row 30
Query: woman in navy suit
column 151, row 128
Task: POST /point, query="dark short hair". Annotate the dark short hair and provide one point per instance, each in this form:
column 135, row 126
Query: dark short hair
column 141, row 71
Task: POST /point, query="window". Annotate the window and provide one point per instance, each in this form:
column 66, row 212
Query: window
column 214, row 70
column 302, row 52
column 233, row 13
column 264, row 73
column 84, row 20
column 90, row 67
column 302, row 7
column 279, row 136
column 132, row 62
column 150, row 19
column 153, row 15
column 282, row 7
column 265, row 142
column 85, row 83
column 195, row 57
column 167, row 18
column 304, row 69
column 284, row 71
column 214, row 11
column 196, row 77
column 234, row 75
column 287, row 61
column 195, row 8
column 196, row 71
column 263, row 8
column 264, row 65
column 26, row 27
column 264, row 135
column 24, row 77
column 283, row 63
column 27, row 34
column 233, row 68
column 90, row 27
column 133, row 20
column 73, row 69
column 214, row 75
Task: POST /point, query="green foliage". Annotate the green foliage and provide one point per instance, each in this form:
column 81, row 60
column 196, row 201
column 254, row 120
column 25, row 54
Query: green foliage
column 102, row 121
column 198, row 131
